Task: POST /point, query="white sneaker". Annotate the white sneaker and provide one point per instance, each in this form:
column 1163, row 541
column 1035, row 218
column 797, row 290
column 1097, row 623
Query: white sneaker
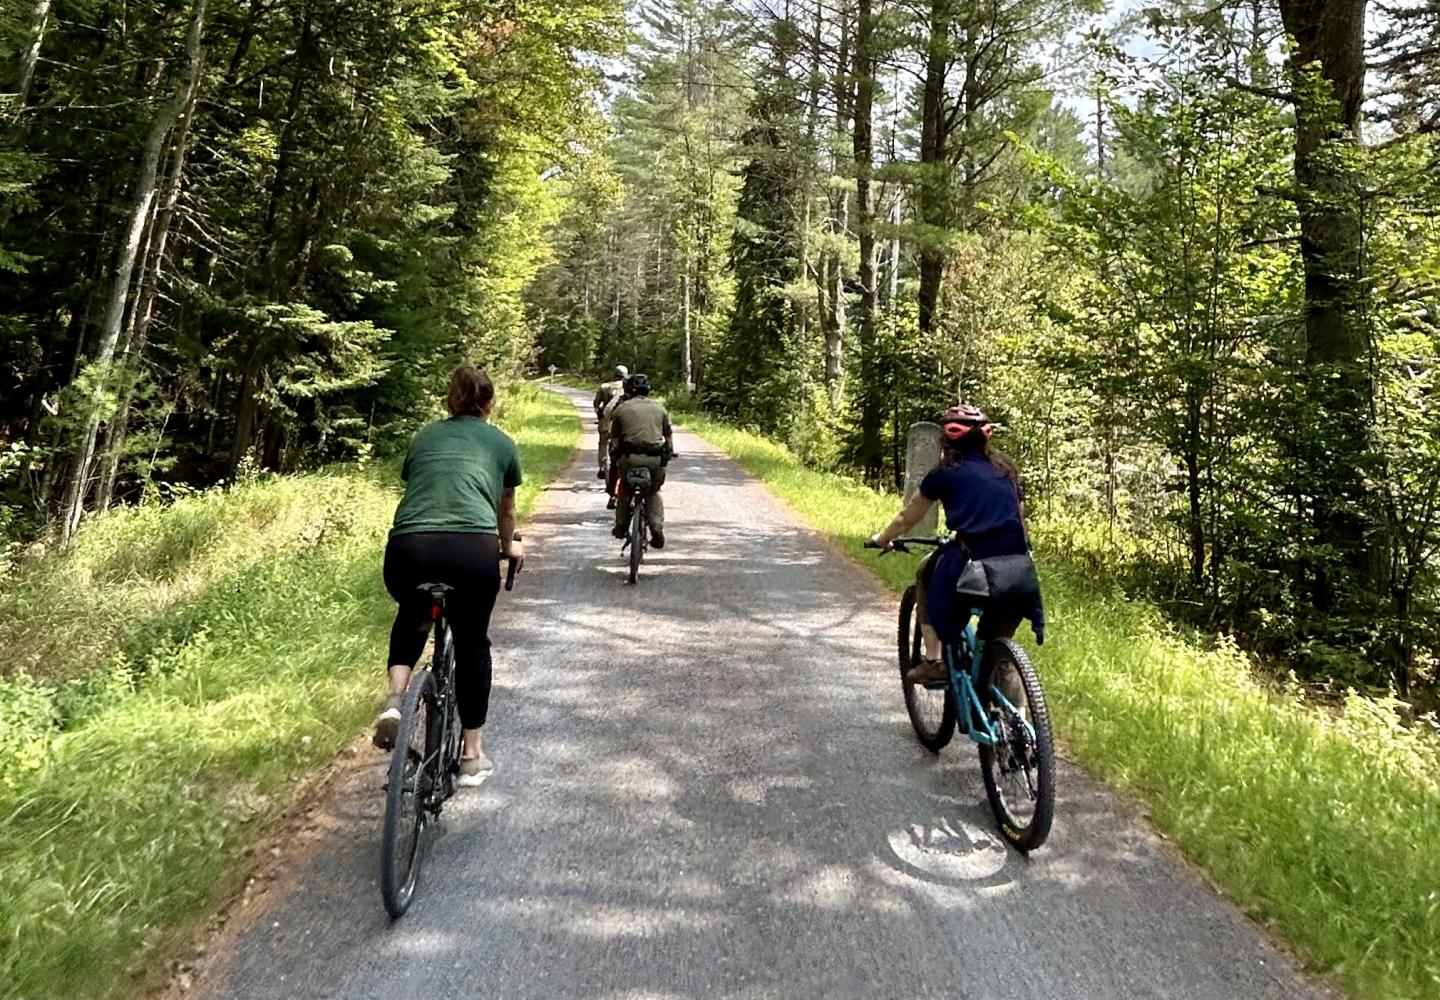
column 474, row 770
column 388, row 722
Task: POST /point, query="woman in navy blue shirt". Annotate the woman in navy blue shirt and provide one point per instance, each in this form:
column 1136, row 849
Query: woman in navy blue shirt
column 979, row 489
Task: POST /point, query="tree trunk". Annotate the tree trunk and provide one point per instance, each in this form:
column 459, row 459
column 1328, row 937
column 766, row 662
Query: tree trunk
column 1329, row 57
column 932, row 206
column 830, row 290
column 872, row 403
column 144, row 313
column 245, row 410
column 145, row 191
column 270, row 259
column 30, row 56
column 685, row 369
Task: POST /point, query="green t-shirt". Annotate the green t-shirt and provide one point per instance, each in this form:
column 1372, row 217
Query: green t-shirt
column 455, row 473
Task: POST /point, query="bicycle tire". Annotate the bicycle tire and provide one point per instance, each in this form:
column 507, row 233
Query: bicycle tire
column 1034, row 761
column 637, row 535
column 405, row 808
column 933, row 732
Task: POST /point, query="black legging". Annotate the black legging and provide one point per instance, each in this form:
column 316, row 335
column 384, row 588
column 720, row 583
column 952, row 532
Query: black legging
column 471, row 564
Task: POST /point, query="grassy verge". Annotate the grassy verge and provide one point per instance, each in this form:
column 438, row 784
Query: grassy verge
column 197, row 661
column 1323, row 825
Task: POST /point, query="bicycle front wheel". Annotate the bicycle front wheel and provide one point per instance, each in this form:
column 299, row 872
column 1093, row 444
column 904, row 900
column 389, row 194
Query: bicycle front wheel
column 406, row 794
column 931, row 710
column 637, row 535
column 1019, row 771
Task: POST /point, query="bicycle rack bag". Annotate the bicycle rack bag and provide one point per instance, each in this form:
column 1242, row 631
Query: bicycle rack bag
column 638, row 478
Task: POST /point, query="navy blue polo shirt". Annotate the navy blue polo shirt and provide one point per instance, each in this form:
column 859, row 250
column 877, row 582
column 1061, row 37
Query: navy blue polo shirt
column 982, row 505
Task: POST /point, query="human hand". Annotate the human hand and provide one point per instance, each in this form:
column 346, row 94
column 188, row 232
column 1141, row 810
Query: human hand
column 514, row 551
column 878, row 541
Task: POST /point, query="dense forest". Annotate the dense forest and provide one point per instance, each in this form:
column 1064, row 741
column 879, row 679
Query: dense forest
column 1188, row 255
column 254, row 232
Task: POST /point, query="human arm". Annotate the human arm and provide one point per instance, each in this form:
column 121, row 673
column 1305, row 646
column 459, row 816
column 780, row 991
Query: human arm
column 910, row 515
column 505, row 513
column 509, row 547
column 669, row 437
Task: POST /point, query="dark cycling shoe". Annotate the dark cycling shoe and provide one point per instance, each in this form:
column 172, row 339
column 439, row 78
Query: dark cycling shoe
column 599, row 473
column 927, row 672
column 610, row 505
column 618, row 531
column 657, row 538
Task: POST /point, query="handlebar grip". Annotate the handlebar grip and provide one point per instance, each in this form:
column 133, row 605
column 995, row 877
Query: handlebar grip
column 514, row 566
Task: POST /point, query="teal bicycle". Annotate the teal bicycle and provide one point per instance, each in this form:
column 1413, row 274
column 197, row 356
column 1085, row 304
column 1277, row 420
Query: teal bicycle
column 993, row 694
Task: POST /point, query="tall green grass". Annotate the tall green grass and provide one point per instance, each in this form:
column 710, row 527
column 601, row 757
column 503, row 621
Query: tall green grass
column 1324, row 825
column 197, row 660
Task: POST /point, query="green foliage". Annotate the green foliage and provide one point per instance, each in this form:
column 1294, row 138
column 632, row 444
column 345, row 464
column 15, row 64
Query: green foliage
column 356, row 201
column 224, row 647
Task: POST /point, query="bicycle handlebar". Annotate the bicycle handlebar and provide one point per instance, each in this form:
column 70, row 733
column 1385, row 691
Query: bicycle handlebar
column 903, row 544
column 514, row 566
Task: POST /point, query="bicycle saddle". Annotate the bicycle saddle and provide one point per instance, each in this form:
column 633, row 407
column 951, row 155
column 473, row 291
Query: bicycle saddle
column 437, row 592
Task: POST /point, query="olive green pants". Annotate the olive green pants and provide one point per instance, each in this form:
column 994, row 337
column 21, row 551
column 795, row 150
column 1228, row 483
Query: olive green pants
column 657, row 480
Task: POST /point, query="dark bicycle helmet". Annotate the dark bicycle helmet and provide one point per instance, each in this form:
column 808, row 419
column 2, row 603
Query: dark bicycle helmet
column 638, row 384
column 963, row 419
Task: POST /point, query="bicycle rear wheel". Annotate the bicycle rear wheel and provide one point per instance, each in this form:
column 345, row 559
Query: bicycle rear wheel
column 406, row 795
column 1019, row 771
column 931, row 711
column 637, row 534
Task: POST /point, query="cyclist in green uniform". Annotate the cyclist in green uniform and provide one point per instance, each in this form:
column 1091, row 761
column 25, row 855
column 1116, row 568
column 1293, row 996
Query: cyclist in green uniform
column 607, row 394
column 453, row 526
column 641, row 436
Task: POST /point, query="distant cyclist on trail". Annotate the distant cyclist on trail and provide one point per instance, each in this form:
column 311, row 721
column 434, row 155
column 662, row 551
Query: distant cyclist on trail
column 641, row 436
column 608, row 393
column 979, row 489
column 453, row 526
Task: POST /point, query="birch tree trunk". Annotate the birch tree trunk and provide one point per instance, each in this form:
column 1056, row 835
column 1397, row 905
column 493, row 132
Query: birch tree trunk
column 30, row 56
column 143, row 314
column 145, row 193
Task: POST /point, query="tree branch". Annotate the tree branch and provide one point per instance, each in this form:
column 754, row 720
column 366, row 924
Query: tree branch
column 1267, row 92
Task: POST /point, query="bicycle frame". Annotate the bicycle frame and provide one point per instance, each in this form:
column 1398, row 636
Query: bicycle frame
column 962, row 663
column 444, row 694
column 963, row 682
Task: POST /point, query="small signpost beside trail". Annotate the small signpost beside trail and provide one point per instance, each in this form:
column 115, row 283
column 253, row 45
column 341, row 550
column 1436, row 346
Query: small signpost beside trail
column 922, row 453
column 553, row 370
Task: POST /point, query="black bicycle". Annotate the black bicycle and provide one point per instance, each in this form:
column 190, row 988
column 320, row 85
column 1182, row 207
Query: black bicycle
column 637, row 538
column 425, row 763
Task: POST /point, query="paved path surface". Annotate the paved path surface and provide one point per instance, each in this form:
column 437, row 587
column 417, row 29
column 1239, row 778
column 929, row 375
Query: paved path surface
column 707, row 787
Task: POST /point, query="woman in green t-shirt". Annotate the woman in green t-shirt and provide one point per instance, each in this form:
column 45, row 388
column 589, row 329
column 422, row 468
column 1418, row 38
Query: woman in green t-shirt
column 453, row 526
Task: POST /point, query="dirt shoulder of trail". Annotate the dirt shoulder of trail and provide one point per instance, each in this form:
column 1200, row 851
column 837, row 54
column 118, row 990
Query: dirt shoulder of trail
column 268, row 872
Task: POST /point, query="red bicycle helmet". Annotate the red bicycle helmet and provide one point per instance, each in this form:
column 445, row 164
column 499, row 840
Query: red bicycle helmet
column 963, row 418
